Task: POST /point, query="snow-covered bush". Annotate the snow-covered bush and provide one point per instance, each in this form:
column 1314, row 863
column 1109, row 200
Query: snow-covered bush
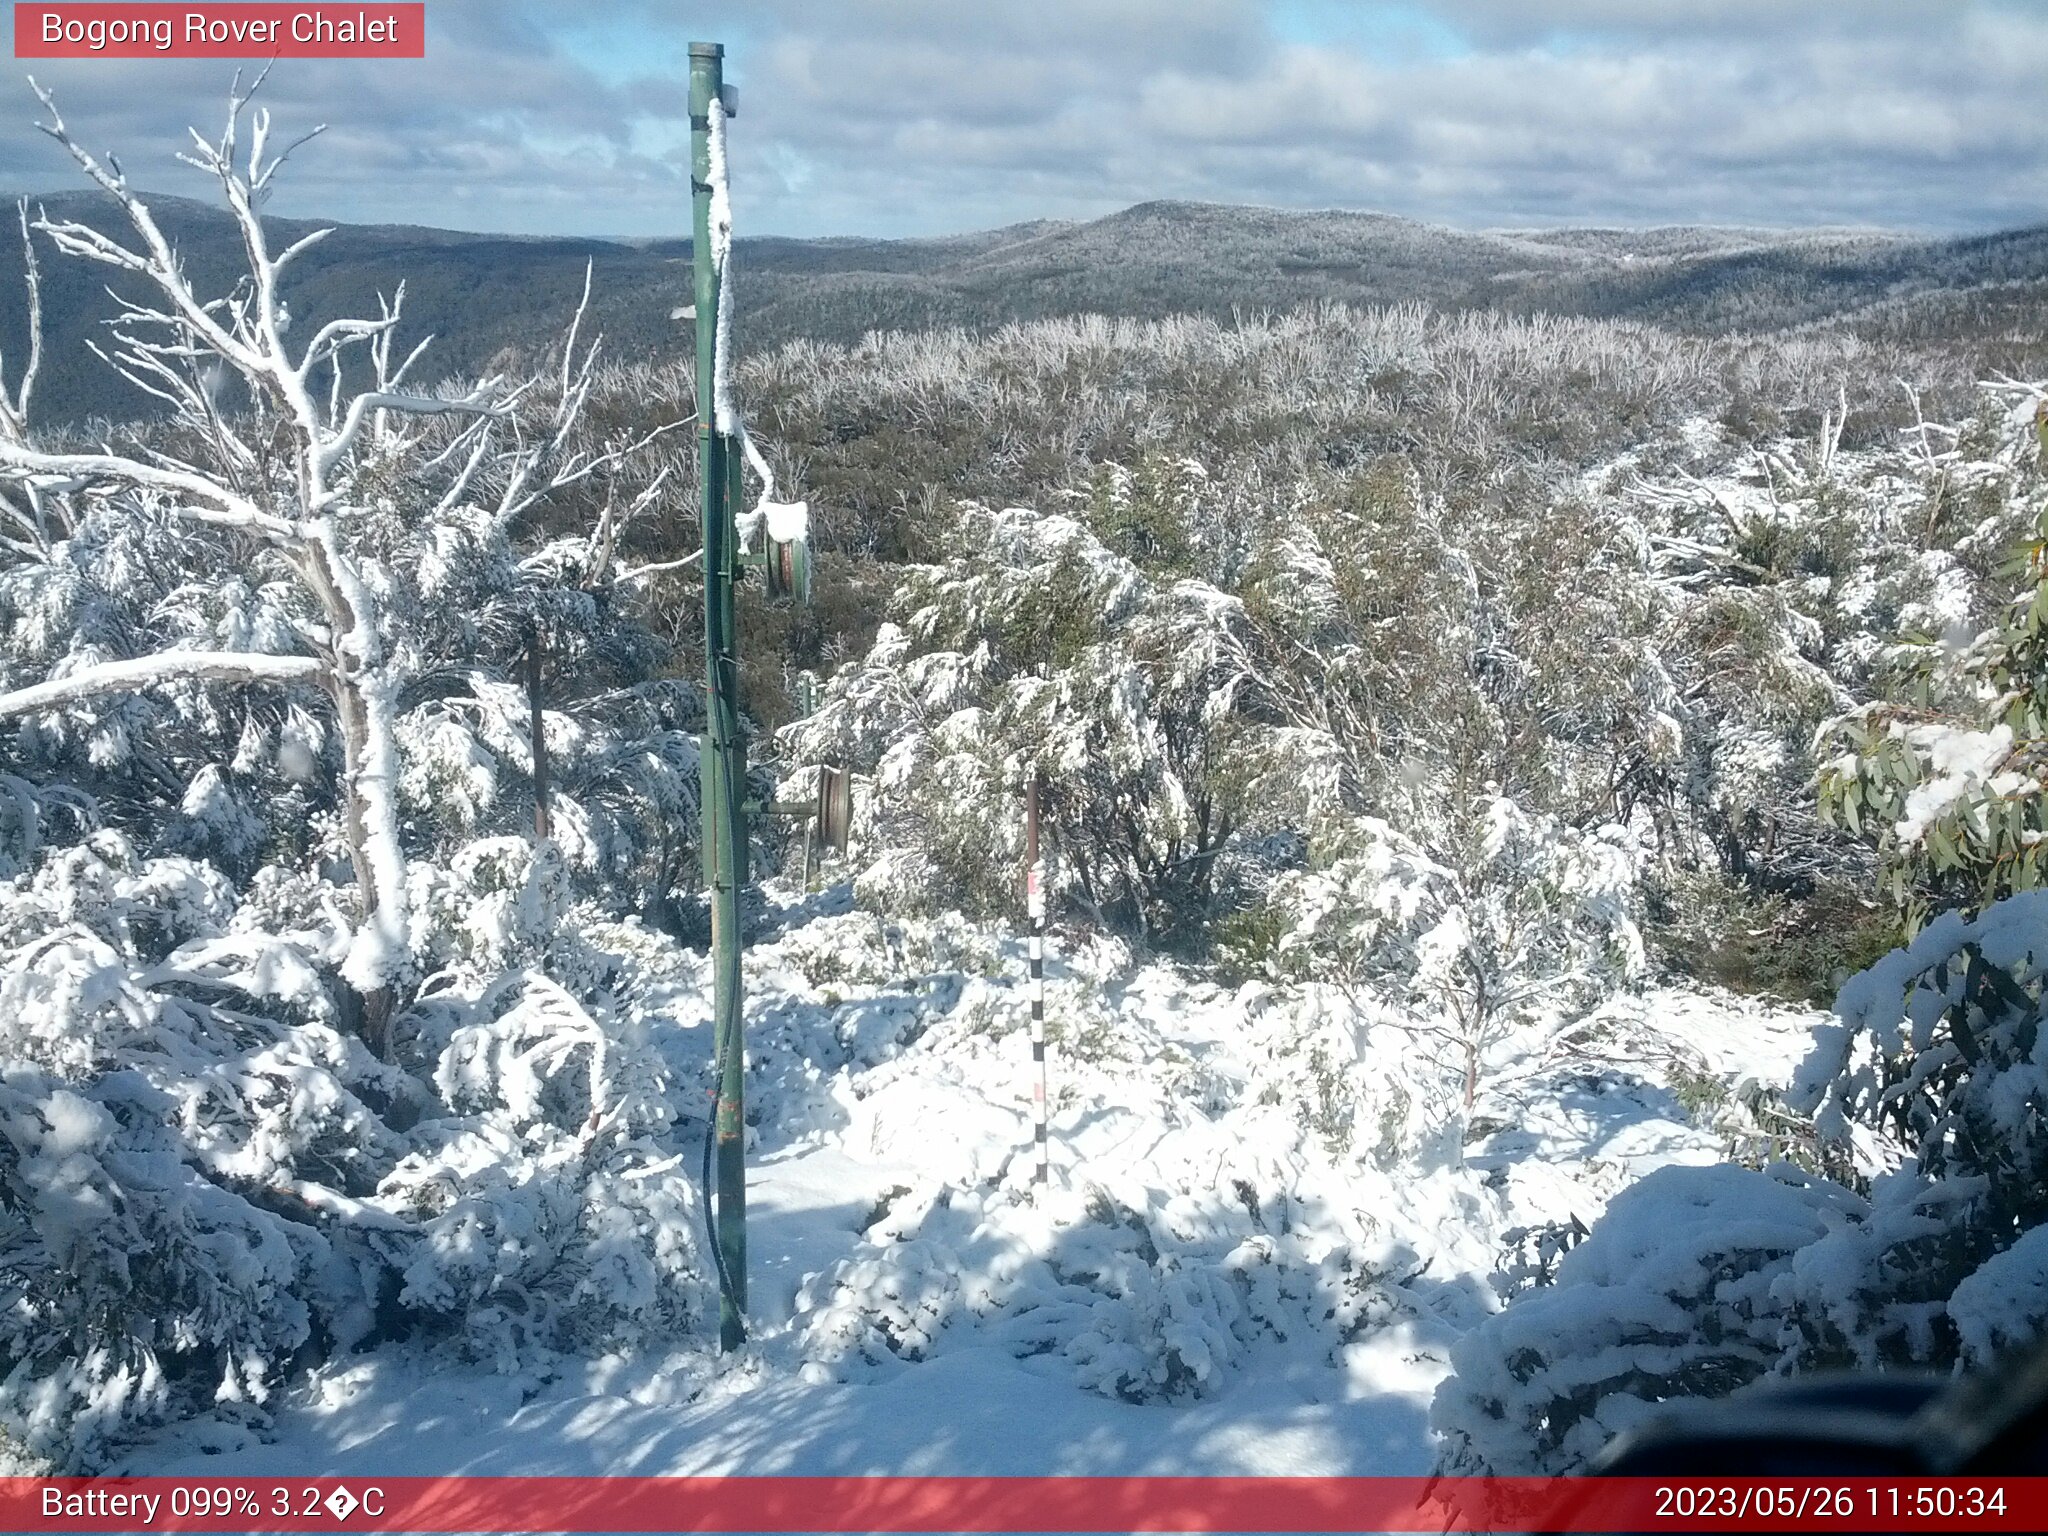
column 1035, row 649
column 124, row 1264
column 1940, row 771
column 202, row 1178
column 1938, row 1065
column 300, row 1045
column 1930, row 1097
column 1165, row 514
column 1673, row 1294
column 1524, row 921
column 137, row 1119
column 1145, row 1296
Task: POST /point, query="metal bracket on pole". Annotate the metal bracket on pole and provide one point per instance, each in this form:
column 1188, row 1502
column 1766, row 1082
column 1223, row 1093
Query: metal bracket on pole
column 831, row 810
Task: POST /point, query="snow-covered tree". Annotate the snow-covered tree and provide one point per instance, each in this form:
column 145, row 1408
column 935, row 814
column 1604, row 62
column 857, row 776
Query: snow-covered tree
column 307, row 1038
column 301, row 489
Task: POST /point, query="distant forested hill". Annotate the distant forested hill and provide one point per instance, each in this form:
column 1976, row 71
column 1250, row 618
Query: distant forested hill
column 480, row 295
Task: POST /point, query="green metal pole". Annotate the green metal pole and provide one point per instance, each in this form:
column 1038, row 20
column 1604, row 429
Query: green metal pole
column 722, row 765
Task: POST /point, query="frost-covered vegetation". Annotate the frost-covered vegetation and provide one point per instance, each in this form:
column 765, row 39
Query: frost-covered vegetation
column 306, row 1042
column 1436, row 712
column 1929, row 1095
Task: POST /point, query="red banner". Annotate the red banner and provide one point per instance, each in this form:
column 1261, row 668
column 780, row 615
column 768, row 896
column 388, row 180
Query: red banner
column 217, row 31
column 1015, row 1504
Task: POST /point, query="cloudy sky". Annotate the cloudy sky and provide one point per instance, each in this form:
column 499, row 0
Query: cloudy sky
column 907, row 117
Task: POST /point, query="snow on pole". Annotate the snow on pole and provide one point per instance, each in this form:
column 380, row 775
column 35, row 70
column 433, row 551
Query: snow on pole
column 1034, row 903
column 725, row 414
column 787, row 524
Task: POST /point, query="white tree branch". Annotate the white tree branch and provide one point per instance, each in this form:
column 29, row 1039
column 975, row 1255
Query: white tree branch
column 165, row 666
column 479, row 402
column 639, row 571
column 217, row 504
column 14, row 410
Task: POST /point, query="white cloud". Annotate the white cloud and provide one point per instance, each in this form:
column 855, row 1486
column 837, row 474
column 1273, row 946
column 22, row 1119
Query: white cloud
column 909, row 116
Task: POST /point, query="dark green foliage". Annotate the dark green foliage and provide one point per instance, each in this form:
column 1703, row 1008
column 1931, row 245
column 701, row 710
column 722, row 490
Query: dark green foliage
column 1967, row 728
column 1712, row 926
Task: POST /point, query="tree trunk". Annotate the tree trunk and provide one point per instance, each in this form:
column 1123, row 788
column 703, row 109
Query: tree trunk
column 368, row 805
column 352, row 713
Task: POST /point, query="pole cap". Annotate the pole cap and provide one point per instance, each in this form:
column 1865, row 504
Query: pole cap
column 707, row 50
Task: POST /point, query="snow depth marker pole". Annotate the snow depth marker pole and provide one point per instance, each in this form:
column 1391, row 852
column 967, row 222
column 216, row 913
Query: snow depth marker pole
column 536, row 731
column 807, row 701
column 1034, row 906
column 722, row 766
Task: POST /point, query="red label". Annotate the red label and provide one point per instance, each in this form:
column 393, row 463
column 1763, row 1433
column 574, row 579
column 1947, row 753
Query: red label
column 1018, row 1504
column 216, row 31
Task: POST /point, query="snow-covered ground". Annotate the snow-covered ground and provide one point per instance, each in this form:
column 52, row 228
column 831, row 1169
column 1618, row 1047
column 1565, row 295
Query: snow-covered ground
column 1257, row 1245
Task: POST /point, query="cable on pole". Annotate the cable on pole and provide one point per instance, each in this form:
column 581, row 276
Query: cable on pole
column 728, row 1297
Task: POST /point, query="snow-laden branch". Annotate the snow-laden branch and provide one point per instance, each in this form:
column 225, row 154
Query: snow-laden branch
column 481, row 401
column 219, row 506
column 639, row 572
column 156, row 260
column 336, row 334
column 14, row 408
column 216, row 503
column 165, row 666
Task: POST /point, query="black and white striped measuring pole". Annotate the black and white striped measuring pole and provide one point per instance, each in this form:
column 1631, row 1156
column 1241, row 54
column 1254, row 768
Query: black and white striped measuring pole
column 1034, row 906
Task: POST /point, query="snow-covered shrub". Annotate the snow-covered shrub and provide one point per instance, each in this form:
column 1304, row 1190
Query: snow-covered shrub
column 1938, row 1064
column 1343, row 1066
column 2002, row 1305
column 1940, row 771
column 1530, row 1255
column 1034, row 648
column 1524, row 921
column 1930, row 1098
column 1163, row 514
column 201, row 1176
column 125, row 1265
column 534, row 1244
column 1672, row 1294
column 136, row 1121
column 867, row 949
column 1147, row 1297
